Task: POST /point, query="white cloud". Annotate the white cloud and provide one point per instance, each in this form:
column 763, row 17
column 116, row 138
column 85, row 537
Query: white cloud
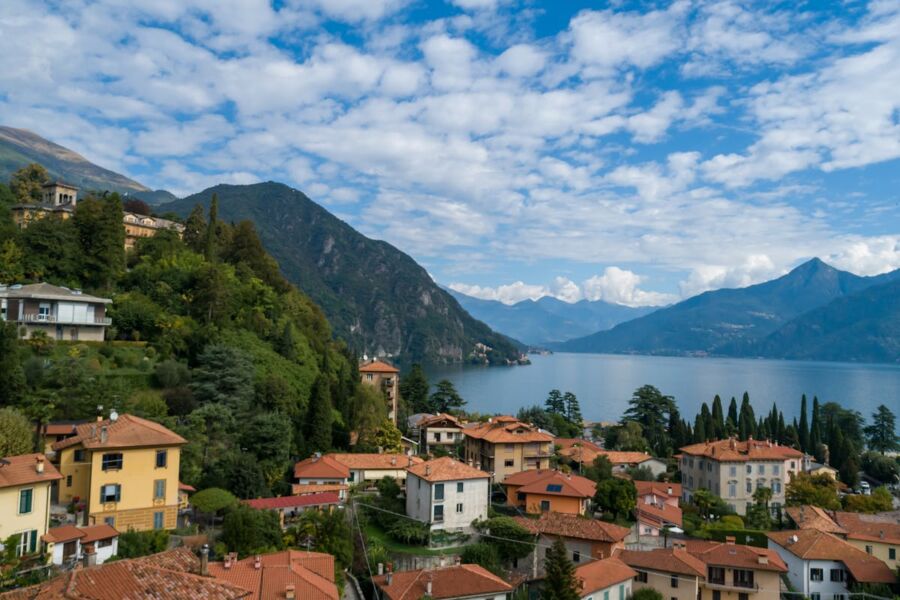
column 867, row 256
column 521, row 60
column 507, row 294
column 756, row 268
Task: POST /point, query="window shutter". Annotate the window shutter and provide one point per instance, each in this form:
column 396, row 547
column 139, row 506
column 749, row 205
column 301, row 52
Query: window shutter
column 32, row 543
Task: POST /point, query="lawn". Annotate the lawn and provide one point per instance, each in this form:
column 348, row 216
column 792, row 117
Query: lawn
column 375, row 534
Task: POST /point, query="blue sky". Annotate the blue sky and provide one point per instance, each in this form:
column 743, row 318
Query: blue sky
column 634, row 152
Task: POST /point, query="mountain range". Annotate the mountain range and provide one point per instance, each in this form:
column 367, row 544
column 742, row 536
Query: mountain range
column 549, row 320
column 376, row 297
column 778, row 318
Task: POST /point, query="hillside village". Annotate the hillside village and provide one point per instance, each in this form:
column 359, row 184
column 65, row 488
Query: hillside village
column 177, row 421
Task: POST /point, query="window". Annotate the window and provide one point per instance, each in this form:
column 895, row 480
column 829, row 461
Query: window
column 892, row 553
column 459, row 487
column 26, row 498
column 761, row 470
column 352, row 476
column 673, row 581
column 749, row 469
column 162, row 459
column 159, row 489
column 793, row 464
column 79, row 455
column 606, row 595
column 837, row 597
column 709, row 467
column 815, row 596
column 104, row 543
column 732, row 471
column 576, row 557
column 439, row 491
column 868, row 549
column 459, row 508
column 621, row 592
column 776, row 487
column 112, row 461
column 369, row 377
column 545, row 505
column 816, row 575
column 743, row 578
column 27, row 542
column 717, row 595
column 716, row 575
column 743, row 596
column 438, row 513
column 837, row 575
column 68, row 481
column 776, row 469
column 508, row 462
column 111, row 492
column 749, row 486
column 641, row 577
column 158, row 520
column 43, row 311
column 437, row 436
column 521, row 496
column 732, row 489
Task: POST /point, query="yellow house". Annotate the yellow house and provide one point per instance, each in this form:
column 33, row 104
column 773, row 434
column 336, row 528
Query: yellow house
column 504, row 445
column 125, row 470
column 25, row 499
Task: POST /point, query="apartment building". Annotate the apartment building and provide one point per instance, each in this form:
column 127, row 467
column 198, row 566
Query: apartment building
column 547, row 490
column 824, row 567
column 673, row 572
column 735, row 571
column 447, row 494
column 59, row 312
column 139, row 227
column 734, row 469
column 584, row 452
column 386, row 378
column 441, row 431
column 25, row 483
column 126, row 470
column 504, row 445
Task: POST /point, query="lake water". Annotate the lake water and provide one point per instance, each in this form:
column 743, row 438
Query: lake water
column 604, row 383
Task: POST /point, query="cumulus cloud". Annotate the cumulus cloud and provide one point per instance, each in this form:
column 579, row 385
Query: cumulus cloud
column 754, row 269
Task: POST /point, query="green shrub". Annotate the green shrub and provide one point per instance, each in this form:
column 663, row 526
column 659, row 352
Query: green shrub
column 141, row 543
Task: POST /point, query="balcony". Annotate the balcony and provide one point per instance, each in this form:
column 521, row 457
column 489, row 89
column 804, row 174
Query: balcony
column 722, row 585
column 51, row 319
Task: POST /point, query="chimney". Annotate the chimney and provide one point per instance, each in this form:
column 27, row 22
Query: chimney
column 390, row 574
column 428, row 585
column 442, row 561
column 104, row 434
column 39, row 464
column 381, row 568
column 393, row 461
column 89, row 556
column 669, row 490
column 257, row 562
column 457, row 560
column 289, row 592
column 427, row 470
column 204, row 560
column 730, row 539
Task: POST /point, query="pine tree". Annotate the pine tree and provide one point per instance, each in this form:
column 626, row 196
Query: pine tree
column 804, row 426
column 731, row 423
column 212, row 230
column 881, row 433
column 194, row 234
column 414, row 389
column 560, row 582
column 555, row 403
column 718, row 417
column 446, row 397
column 573, row 410
column 319, row 417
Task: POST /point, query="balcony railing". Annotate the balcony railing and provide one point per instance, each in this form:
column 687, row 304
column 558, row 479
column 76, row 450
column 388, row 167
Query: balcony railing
column 52, row 319
column 718, row 584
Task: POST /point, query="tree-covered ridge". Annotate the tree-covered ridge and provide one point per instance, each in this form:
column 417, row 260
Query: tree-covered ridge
column 375, row 296
column 207, row 337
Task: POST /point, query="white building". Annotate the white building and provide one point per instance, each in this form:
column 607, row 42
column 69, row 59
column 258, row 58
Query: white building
column 447, row 494
column 822, row 566
column 607, row 579
column 68, row 544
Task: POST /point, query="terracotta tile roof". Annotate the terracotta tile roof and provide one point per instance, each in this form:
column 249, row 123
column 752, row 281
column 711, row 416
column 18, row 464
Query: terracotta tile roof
column 585, row 455
column 459, row 581
column 446, row 469
column 376, row 461
column 311, row 574
column 324, row 467
column 813, row 517
column 22, row 470
column 723, row 554
column 127, row 431
column 659, row 514
column 810, row 544
column 378, row 366
column 507, row 430
column 87, row 534
column 869, row 528
column 600, row 574
column 300, row 489
column 566, row 443
column 574, row 526
column 178, row 559
column 136, row 579
column 625, row 458
column 659, row 488
column 433, row 420
column 551, row 481
column 62, row 427
column 183, row 487
column 320, row 499
column 733, row 450
column 666, row 560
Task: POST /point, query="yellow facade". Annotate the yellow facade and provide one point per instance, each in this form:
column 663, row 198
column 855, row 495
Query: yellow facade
column 138, row 506
column 767, row 585
column 24, row 214
column 681, row 587
column 504, row 458
column 880, row 550
column 32, row 523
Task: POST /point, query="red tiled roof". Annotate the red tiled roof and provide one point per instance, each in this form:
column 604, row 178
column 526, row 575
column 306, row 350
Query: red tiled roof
column 660, row 488
column 87, row 534
column 869, row 528
column 574, row 526
column 324, row 467
column 813, row 517
column 732, row 450
column 585, row 455
column 387, row 462
column 537, row 481
column 61, row 428
column 723, row 554
column 565, row 443
column 320, row 499
column 311, row 574
column 810, row 544
column 507, row 430
column 659, row 514
column 378, row 366
column 127, row 431
column 446, row 469
column 22, row 470
column 301, row 489
column 459, row 581
column 183, row 487
column 439, row 418
column 600, row 574
column 666, row 560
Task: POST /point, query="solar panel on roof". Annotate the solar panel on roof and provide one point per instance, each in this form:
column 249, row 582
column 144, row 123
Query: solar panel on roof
column 554, row 487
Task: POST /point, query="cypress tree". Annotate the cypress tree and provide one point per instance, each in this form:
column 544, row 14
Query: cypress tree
column 194, row 234
column 319, row 417
column 560, row 582
column 700, row 428
column 718, row 417
column 731, row 424
column 803, row 431
column 815, row 429
column 212, row 229
column 414, row 389
column 782, row 429
column 746, row 419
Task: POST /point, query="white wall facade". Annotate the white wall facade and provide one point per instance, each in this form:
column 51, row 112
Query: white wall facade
column 619, row 591
column 463, row 502
column 800, row 574
column 736, row 481
column 103, row 552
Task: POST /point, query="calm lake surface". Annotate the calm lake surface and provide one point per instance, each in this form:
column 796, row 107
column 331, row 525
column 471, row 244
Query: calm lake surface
column 604, row 383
